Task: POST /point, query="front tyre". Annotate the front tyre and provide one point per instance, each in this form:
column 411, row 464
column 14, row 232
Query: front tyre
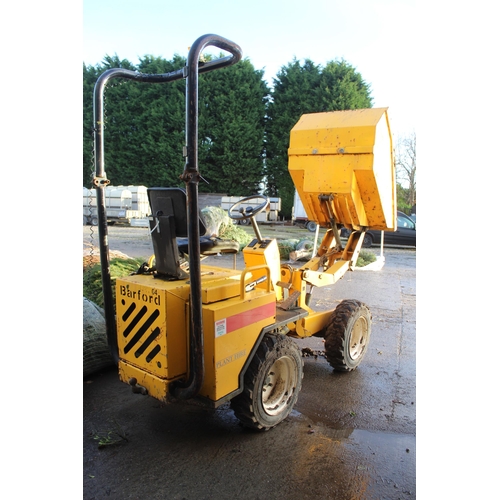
column 271, row 385
column 347, row 335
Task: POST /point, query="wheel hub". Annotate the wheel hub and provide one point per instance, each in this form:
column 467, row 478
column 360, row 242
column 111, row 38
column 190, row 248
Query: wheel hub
column 358, row 338
column 279, row 385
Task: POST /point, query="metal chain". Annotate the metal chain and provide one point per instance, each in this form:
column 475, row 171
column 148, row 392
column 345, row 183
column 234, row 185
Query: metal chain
column 93, row 173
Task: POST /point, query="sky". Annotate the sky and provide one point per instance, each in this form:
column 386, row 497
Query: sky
column 377, row 37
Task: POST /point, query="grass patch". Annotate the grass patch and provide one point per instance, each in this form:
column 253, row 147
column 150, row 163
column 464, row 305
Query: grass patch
column 365, row 258
column 92, row 277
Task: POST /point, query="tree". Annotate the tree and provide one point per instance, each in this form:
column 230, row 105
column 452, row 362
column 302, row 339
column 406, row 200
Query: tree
column 232, row 106
column 118, row 122
column 294, row 94
column 145, row 126
column 300, row 89
column 160, row 134
column 342, row 87
column 243, row 129
column 406, row 166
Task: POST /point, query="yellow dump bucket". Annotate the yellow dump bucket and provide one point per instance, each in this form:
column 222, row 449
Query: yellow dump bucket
column 345, row 157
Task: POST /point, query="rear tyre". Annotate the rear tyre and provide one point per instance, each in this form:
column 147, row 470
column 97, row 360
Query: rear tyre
column 347, row 335
column 311, row 226
column 367, row 241
column 271, row 385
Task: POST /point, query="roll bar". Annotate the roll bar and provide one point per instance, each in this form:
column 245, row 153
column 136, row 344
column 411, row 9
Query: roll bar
column 191, row 177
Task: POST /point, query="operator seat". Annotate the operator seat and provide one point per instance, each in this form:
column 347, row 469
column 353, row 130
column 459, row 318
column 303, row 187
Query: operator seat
column 168, row 226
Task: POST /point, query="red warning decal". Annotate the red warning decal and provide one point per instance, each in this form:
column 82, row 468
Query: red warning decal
column 232, row 323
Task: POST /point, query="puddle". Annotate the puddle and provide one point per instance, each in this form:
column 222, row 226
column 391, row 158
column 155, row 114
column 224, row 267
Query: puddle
column 364, row 464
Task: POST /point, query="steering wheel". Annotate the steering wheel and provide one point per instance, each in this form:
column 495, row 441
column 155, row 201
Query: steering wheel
column 249, row 212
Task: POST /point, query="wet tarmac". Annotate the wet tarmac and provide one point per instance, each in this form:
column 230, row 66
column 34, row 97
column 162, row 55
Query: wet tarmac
column 350, row 436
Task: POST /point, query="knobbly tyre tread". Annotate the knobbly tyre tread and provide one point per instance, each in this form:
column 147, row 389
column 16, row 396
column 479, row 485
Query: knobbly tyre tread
column 267, row 352
column 336, row 348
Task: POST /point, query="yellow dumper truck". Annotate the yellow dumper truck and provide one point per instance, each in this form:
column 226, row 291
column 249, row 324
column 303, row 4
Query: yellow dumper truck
column 186, row 330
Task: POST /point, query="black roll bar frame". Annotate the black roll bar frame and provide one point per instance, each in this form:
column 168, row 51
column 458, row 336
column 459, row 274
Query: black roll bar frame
column 183, row 389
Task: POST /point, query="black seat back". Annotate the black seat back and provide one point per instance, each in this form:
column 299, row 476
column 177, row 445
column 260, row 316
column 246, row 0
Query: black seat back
column 168, row 221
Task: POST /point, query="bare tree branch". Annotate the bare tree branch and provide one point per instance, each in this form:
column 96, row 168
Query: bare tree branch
column 406, row 165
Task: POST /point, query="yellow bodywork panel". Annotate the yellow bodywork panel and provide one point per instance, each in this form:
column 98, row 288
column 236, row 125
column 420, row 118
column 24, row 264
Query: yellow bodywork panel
column 313, row 323
column 346, row 157
column 152, row 319
column 231, row 329
column 264, row 253
column 156, row 386
column 335, row 272
column 219, row 284
column 153, row 329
